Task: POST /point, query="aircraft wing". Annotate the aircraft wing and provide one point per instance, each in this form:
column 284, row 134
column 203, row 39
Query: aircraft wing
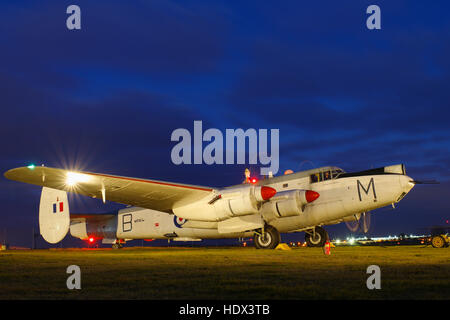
column 150, row 194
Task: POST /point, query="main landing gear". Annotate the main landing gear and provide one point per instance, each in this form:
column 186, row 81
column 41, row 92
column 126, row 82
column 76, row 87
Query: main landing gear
column 316, row 237
column 267, row 238
column 117, row 245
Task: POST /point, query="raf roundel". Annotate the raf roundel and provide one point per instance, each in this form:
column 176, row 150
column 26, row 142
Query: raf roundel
column 178, row 222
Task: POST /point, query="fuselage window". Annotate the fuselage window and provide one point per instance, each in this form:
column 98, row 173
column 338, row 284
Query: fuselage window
column 326, row 175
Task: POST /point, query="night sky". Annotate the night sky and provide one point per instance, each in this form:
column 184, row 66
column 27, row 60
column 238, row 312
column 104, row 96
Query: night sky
column 106, row 98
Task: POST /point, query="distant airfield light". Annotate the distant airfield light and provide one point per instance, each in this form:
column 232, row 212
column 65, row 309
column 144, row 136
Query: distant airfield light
column 74, row 178
column 254, row 180
column 338, row 241
column 91, row 240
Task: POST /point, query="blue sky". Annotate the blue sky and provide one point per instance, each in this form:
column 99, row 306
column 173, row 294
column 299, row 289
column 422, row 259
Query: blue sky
column 108, row 96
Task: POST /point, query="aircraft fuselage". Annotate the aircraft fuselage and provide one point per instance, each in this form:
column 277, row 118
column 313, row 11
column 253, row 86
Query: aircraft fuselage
column 343, row 197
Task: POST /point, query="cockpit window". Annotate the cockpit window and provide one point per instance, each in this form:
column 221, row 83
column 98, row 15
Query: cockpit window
column 337, row 173
column 326, row 175
column 316, row 177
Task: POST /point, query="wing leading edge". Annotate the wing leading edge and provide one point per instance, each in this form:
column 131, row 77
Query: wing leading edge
column 150, row 194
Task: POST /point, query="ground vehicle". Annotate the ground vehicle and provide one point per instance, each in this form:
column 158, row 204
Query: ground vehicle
column 440, row 237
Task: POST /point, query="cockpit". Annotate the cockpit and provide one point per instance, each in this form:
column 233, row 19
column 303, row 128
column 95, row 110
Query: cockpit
column 324, row 175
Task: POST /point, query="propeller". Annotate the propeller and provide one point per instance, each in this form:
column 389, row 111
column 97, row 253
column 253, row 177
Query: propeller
column 362, row 223
column 365, row 222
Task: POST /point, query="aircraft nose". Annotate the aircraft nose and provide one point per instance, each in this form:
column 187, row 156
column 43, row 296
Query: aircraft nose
column 407, row 183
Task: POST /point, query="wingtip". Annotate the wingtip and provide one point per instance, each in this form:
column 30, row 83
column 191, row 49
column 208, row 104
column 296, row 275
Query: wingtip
column 7, row 174
column 12, row 172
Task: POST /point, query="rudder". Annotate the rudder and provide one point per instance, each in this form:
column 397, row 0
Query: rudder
column 54, row 215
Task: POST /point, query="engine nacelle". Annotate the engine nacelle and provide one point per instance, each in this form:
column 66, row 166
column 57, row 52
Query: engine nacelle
column 287, row 204
column 230, row 202
column 242, row 201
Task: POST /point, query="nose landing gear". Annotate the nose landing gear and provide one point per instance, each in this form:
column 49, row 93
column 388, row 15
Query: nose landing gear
column 316, row 237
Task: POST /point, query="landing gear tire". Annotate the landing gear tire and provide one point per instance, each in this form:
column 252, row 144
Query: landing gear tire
column 117, row 246
column 438, row 242
column 316, row 237
column 268, row 240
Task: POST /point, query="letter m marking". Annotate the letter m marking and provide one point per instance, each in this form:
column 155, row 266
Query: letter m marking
column 366, row 191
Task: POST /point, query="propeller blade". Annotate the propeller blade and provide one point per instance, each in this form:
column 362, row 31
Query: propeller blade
column 353, row 226
column 365, row 223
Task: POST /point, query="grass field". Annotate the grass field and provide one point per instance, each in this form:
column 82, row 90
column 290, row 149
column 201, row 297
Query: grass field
column 407, row 272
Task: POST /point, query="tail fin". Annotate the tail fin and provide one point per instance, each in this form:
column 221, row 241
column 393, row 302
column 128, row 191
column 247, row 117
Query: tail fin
column 54, row 216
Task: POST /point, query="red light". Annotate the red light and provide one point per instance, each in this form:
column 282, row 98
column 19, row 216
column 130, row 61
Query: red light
column 267, row 192
column 311, row 195
column 254, row 180
column 91, row 239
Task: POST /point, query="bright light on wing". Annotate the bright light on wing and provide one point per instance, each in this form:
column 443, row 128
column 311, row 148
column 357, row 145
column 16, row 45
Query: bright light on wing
column 73, row 178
